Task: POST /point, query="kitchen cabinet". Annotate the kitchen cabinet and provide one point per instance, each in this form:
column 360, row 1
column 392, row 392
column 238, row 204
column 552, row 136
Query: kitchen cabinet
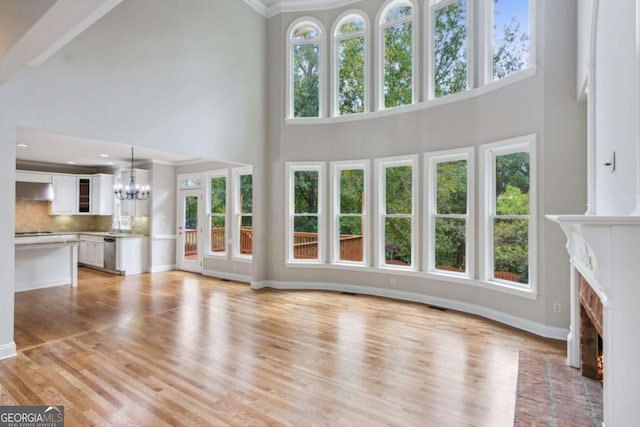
column 102, row 194
column 132, row 254
column 91, row 250
column 135, row 207
column 82, row 194
column 65, row 190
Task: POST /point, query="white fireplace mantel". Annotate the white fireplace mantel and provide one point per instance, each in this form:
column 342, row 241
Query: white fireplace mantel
column 605, row 250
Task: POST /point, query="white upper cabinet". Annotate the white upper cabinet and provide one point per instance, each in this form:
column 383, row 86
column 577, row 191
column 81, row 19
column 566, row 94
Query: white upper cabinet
column 102, row 194
column 65, row 195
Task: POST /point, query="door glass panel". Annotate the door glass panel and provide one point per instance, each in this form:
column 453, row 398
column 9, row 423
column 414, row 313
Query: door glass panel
column 191, row 228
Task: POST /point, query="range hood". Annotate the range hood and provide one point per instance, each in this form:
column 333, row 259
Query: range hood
column 34, row 191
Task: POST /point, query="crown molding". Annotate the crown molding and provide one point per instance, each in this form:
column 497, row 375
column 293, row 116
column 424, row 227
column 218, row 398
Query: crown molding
column 297, row 6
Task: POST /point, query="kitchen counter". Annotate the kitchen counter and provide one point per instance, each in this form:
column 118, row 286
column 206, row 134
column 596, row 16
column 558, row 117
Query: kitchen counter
column 111, row 234
column 46, row 260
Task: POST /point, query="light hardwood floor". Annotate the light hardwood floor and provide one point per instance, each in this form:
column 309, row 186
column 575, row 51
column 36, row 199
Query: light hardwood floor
column 177, row 348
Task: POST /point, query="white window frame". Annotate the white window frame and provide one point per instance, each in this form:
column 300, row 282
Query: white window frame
column 223, row 173
column 236, row 173
column 487, row 155
column 291, row 168
column 291, row 43
column 431, row 6
column 336, row 168
column 381, row 166
column 348, row 16
column 380, row 30
column 431, row 161
column 485, row 35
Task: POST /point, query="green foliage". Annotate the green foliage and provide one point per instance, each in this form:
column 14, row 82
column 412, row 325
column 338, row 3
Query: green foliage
column 351, row 201
column 351, row 70
column 511, row 246
column 306, row 80
column 450, row 235
column 450, row 49
column 246, row 193
column 398, row 65
column 191, row 213
column 305, row 192
column 218, row 195
column 512, row 202
column 398, row 201
column 510, row 47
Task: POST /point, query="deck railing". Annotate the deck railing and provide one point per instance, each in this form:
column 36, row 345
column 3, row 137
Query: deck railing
column 305, row 245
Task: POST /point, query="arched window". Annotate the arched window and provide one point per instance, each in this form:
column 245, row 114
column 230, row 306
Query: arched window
column 350, row 75
column 305, row 40
column 397, row 47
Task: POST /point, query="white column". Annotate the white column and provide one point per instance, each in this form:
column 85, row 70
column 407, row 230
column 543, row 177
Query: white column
column 636, row 211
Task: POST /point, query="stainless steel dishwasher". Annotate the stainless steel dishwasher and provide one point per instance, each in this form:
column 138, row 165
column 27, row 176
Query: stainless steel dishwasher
column 110, row 253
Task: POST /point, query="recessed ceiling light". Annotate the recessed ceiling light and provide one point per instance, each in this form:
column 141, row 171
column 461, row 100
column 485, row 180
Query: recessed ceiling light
column 104, row 155
column 110, row 163
column 71, row 162
column 21, row 145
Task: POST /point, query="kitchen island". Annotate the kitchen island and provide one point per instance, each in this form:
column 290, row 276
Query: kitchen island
column 44, row 260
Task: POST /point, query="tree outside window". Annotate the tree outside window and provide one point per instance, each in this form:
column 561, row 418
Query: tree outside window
column 350, row 41
column 397, row 28
column 305, row 69
column 450, row 217
column 218, row 214
column 245, row 214
column 350, row 215
column 449, row 40
column 397, row 216
column 305, row 237
column 511, row 44
column 511, row 219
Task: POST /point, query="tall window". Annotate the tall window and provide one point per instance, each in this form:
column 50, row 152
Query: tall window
column 306, row 193
column 243, row 234
column 396, row 211
column 511, row 37
column 509, row 211
column 218, row 213
column 305, row 60
column 350, row 72
column 350, row 222
column 450, row 208
column 397, row 29
column 448, row 47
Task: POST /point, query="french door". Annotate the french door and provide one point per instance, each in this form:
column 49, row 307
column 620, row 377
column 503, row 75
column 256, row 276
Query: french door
column 190, row 227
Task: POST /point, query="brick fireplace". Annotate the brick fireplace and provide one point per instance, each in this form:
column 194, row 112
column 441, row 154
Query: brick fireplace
column 591, row 333
column 604, row 295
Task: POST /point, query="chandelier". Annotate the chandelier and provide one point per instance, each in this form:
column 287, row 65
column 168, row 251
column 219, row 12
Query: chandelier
column 132, row 191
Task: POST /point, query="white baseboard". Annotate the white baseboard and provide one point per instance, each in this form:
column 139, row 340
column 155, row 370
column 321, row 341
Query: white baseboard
column 228, row 276
column 507, row 319
column 159, row 268
column 42, row 284
column 8, row 350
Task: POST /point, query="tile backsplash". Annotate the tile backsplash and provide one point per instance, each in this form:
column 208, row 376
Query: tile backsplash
column 35, row 216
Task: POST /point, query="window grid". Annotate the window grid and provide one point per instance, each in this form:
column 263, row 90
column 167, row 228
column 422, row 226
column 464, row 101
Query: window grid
column 433, row 215
column 305, row 242
column 348, row 40
column 243, row 213
column 400, row 224
column 218, row 212
column 349, row 247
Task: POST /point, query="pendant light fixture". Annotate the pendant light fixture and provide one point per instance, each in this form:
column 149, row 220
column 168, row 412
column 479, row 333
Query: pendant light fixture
column 132, row 191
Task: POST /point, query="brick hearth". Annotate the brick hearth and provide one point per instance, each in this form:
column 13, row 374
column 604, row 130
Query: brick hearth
column 590, row 328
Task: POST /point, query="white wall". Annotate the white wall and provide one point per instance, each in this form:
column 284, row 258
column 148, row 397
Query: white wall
column 616, row 100
column 544, row 104
column 163, row 217
column 184, row 76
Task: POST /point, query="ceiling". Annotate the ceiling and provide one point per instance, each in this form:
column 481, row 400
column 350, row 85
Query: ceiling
column 47, row 147
column 270, row 8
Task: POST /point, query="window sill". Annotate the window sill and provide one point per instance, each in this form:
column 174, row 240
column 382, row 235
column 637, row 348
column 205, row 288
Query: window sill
column 430, row 103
